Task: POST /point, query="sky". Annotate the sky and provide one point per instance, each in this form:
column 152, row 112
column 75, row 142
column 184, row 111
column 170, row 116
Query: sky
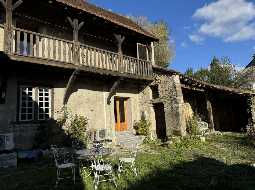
column 200, row 29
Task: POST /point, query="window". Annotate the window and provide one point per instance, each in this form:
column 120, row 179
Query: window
column 142, row 52
column 34, row 103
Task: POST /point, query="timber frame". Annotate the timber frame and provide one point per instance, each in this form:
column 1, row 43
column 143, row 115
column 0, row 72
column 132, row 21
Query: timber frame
column 9, row 8
column 41, row 48
column 71, row 81
column 113, row 90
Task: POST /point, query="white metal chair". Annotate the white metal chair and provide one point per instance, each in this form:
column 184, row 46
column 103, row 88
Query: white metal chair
column 102, row 172
column 203, row 127
column 129, row 160
column 63, row 160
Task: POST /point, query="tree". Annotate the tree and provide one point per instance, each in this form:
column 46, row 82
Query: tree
column 164, row 48
column 220, row 72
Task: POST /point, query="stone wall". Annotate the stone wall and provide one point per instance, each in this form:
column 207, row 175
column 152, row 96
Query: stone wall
column 251, row 110
column 147, row 107
column 170, row 94
column 89, row 98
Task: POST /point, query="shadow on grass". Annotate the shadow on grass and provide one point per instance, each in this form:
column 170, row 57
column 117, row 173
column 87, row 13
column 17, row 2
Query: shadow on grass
column 237, row 139
column 202, row 173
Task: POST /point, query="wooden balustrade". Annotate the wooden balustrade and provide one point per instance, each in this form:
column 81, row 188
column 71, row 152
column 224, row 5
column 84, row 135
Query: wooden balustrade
column 27, row 43
column 31, row 44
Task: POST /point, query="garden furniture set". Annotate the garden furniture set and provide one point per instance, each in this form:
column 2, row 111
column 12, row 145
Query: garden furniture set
column 93, row 162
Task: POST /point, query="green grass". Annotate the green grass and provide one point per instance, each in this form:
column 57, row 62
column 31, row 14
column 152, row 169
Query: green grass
column 222, row 162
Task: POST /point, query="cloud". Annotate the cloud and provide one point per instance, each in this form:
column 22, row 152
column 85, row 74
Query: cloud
column 230, row 20
column 196, row 38
column 184, row 44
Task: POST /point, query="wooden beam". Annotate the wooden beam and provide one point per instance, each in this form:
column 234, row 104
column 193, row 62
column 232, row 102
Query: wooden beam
column 76, row 49
column 210, row 114
column 76, row 27
column 17, row 4
column 3, row 3
column 192, row 88
column 9, row 8
column 153, row 54
column 120, row 39
column 113, row 90
column 71, row 81
column 58, row 64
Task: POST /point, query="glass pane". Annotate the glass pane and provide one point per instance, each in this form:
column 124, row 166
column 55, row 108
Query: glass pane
column 122, row 111
column 23, row 117
column 23, row 110
column 40, row 104
column 41, row 116
column 29, row 110
column 29, row 116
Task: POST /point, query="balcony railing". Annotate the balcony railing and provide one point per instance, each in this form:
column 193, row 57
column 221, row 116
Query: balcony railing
column 45, row 47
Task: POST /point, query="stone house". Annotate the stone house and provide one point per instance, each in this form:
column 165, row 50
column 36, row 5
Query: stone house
column 99, row 65
column 223, row 108
column 96, row 63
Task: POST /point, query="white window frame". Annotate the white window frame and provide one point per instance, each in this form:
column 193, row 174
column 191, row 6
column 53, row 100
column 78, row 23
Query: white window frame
column 38, row 102
column 147, row 51
column 35, row 97
column 20, row 105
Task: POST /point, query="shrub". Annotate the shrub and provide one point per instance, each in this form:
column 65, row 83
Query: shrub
column 193, row 126
column 142, row 127
column 251, row 132
column 77, row 129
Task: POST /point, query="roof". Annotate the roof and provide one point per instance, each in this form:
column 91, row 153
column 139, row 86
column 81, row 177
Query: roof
column 192, row 82
column 107, row 15
column 205, row 85
column 252, row 63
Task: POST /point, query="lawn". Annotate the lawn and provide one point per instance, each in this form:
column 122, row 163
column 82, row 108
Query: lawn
column 222, row 162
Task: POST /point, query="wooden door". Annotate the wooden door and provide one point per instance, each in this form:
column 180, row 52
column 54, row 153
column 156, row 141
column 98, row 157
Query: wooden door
column 120, row 105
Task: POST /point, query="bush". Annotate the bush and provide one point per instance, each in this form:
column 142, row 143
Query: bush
column 77, row 129
column 251, row 132
column 193, row 126
column 142, row 127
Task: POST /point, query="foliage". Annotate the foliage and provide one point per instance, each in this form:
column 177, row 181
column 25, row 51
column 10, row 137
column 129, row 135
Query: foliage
column 193, row 126
column 251, row 132
column 220, row 72
column 192, row 165
column 77, row 129
column 142, row 127
column 164, row 48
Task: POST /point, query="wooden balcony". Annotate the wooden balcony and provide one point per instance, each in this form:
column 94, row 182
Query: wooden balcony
column 36, row 47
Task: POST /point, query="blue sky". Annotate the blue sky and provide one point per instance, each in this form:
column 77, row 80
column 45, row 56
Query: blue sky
column 200, row 29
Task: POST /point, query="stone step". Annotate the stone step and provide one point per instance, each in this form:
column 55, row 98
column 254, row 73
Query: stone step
column 128, row 139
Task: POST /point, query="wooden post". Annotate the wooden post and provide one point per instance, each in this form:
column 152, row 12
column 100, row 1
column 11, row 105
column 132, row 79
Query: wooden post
column 9, row 8
column 120, row 39
column 113, row 90
column 69, row 86
column 76, row 45
column 152, row 54
column 210, row 114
